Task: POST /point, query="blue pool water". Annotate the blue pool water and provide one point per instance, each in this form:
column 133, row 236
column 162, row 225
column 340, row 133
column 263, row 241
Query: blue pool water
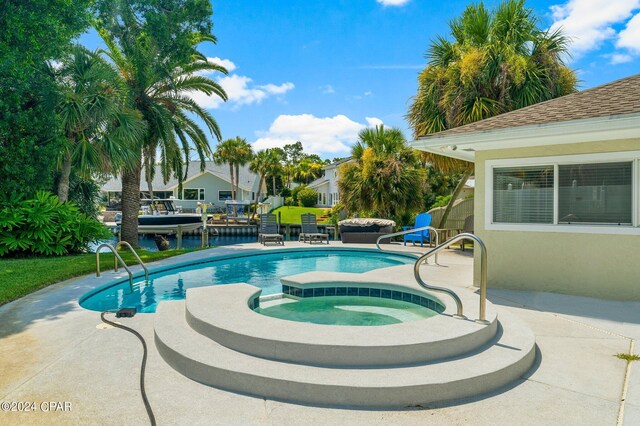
column 260, row 270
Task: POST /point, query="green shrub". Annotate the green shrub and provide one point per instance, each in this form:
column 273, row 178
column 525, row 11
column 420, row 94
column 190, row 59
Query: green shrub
column 289, row 201
column 285, row 192
column 307, row 197
column 441, row 201
column 335, row 213
column 295, row 191
column 45, row 226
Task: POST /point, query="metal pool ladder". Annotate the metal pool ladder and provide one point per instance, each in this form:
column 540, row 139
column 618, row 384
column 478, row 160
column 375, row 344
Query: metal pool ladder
column 439, row 247
column 117, row 259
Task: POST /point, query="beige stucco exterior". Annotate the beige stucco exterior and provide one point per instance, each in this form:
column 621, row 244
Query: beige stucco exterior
column 589, row 264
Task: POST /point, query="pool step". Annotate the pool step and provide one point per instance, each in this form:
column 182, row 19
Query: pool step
column 502, row 360
column 221, row 313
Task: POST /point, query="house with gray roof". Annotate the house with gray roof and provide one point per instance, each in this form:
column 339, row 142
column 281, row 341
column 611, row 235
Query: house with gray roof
column 557, row 191
column 327, row 185
column 213, row 185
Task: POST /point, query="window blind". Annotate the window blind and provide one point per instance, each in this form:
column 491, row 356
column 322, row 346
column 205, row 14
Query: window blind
column 523, row 194
column 595, row 193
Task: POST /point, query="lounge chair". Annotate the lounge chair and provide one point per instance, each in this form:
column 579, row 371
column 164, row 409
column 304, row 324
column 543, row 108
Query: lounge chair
column 422, row 220
column 269, row 230
column 310, row 229
column 468, row 228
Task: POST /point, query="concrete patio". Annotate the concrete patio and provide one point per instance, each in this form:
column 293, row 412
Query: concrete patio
column 51, row 349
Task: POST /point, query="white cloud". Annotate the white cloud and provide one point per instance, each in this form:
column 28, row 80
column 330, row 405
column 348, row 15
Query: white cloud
column 327, row 89
column 240, row 89
column 591, row 22
column 373, row 121
column 393, row 2
column 629, row 38
column 319, row 135
column 368, row 93
column 621, row 58
column 230, row 66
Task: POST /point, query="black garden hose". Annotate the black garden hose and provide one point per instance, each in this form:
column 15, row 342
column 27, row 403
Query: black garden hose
column 147, row 406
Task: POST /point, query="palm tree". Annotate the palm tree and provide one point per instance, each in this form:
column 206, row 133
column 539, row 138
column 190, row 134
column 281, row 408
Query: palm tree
column 162, row 90
column 307, row 170
column 385, row 179
column 243, row 154
column 99, row 126
column 263, row 163
column 225, row 153
column 496, row 61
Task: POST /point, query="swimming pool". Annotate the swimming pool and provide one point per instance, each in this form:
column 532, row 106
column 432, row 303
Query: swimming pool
column 262, row 270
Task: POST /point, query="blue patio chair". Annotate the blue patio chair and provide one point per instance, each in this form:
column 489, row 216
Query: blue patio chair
column 422, row 220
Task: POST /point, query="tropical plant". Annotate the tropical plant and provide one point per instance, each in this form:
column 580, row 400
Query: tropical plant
column 308, row 197
column 262, row 163
column 243, row 155
column 225, row 154
column 496, row 61
column 101, row 132
column 45, row 226
column 154, row 47
column 307, row 170
column 385, row 178
column 85, row 193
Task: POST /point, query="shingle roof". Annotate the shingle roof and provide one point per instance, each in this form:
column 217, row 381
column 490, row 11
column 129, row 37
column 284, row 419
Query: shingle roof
column 247, row 178
column 615, row 98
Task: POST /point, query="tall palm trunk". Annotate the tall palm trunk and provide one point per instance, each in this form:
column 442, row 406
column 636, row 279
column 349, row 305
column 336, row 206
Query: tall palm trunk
column 149, row 179
column 233, row 188
column 238, row 180
column 454, row 196
column 65, row 177
column 131, row 203
column 274, row 184
column 255, row 210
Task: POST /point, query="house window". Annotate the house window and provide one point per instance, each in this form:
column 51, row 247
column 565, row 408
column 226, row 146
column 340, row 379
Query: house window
column 592, row 193
column 523, row 194
column 224, row 195
column 196, row 194
column 595, row 193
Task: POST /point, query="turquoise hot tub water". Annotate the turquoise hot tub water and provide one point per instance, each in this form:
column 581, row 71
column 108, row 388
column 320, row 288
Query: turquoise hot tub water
column 261, row 270
column 348, row 310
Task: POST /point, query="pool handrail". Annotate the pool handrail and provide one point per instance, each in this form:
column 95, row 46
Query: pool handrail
column 126, row 244
column 116, row 259
column 483, row 274
column 408, row 231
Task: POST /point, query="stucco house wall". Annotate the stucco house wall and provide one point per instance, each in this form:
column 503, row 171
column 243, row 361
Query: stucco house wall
column 212, row 186
column 604, row 262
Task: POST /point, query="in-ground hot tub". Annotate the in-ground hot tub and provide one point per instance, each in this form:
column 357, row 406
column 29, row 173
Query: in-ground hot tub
column 364, row 230
column 344, row 307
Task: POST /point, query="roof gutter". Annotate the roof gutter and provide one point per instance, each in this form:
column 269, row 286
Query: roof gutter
column 463, row 146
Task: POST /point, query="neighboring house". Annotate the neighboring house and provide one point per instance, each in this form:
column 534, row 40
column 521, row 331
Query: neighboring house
column 557, row 191
column 327, row 185
column 213, row 185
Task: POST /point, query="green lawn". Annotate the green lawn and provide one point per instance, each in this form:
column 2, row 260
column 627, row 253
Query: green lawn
column 19, row 277
column 291, row 214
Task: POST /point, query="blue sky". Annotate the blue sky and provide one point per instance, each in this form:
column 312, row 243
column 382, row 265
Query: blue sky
column 319, row 71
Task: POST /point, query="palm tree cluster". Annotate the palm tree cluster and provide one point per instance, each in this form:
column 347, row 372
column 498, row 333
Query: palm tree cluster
column 385, row 178
column 161, row 89
column 494, row 62
column 236, row 152
column 99, row 123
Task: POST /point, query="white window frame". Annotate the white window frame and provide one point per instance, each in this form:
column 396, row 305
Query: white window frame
column 204, row 195
column 556, row 161
column 224, row 190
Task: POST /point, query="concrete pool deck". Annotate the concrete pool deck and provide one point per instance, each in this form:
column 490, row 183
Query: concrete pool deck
column 53, row 350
